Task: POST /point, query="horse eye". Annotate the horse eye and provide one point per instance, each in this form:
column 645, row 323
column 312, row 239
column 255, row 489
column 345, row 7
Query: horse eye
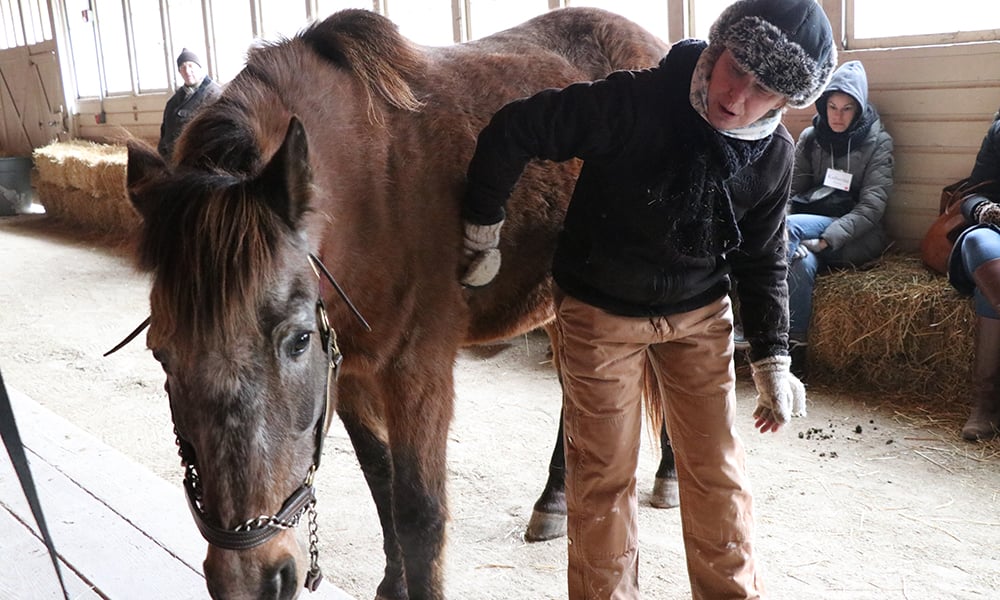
column 161, row 357
column 300, row 344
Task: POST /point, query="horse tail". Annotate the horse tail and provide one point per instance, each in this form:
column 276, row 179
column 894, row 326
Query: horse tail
column 370, row 46
column 651, row 395
column 653, row 400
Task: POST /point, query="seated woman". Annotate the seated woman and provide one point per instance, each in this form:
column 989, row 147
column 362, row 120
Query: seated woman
column 841, row 181
column 974, row 268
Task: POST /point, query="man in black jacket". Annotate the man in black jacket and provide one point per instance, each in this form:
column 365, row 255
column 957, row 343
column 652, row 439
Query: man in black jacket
column 198, row 89
column 685, row 178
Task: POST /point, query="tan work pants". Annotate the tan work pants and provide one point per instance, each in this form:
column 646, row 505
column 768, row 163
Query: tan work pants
column 602, row 361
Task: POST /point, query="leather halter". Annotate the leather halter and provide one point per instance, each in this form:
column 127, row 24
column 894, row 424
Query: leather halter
column 262, row 529
column 259, row 530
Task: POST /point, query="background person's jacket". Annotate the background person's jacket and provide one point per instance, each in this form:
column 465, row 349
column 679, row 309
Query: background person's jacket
column 180, row 109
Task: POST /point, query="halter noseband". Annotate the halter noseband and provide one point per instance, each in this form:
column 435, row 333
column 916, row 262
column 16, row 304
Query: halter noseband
column 259, row 530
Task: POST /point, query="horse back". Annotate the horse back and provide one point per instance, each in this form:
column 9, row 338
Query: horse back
column 474, row 80
column 391, row 128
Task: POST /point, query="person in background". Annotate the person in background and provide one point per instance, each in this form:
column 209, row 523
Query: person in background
column 198, row 89
column 841, row 182
column 974, row 269
column 685, row 178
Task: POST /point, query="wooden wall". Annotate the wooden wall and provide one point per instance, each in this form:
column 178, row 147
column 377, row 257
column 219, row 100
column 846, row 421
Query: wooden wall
column 937, row 102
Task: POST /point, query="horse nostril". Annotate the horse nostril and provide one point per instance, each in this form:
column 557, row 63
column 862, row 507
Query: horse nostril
column 283, row 582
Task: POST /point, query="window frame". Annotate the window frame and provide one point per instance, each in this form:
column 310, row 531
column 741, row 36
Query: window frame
column 851, row 42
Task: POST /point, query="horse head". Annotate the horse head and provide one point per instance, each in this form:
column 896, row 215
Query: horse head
column 239, row 327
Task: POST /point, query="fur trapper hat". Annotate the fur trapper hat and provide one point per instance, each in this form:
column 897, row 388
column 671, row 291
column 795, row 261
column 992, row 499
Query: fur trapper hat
column 787, row 44
column 187, row 56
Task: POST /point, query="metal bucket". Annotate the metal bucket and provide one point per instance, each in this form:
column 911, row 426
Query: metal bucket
column 16, row 194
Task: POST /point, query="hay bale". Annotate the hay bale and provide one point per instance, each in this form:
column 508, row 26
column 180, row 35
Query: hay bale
column 83, row 183
column 95, row 168
column 96, row 214
column 896, row 327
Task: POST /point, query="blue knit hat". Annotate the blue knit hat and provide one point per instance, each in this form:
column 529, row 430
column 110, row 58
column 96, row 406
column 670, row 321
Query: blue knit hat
column 787, row 44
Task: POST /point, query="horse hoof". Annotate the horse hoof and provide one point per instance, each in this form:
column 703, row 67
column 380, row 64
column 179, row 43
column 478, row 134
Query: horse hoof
column 545, row 526
column 665, row 493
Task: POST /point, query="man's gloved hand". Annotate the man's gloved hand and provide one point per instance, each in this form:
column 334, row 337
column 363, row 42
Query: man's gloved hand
column 987, row 213
column 480, row 245
column 780, row 395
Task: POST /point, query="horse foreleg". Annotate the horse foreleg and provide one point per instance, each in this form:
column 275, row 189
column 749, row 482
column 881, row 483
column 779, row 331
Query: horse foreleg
column 665, row 493
column 376, row 465
column 420, row 411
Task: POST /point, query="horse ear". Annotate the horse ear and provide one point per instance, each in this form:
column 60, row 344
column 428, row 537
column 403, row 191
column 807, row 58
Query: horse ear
column 289, row 177
column 144, row 165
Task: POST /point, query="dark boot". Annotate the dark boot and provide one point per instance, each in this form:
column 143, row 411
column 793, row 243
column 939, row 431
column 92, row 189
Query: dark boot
column 984, row 422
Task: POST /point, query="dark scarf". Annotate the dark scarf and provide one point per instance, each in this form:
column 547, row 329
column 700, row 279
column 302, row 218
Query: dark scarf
column 850, row 137
column 699, row 163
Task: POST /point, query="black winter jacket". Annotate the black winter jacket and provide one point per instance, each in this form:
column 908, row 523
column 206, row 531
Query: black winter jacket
column 180, row 109
column 620, row 248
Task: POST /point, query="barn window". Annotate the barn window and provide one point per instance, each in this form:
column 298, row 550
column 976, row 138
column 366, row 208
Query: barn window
column 491, row 16
column 888, row 23
column 651, row 15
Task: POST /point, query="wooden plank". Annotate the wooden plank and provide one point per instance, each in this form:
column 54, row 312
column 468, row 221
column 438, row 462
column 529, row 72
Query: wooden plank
column 972, row 103
column 931, row 168
column 945, row 65
column 113, row 479
column 123, row 528
column 28, row 571
column 113, row 554
column 937, row 136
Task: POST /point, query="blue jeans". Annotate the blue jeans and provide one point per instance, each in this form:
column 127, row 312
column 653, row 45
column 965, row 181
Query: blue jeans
column 802, row 272
column 979, row 246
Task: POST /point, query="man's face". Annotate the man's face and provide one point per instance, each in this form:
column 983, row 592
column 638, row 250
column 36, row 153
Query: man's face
column 190, row 72
column 735, row 97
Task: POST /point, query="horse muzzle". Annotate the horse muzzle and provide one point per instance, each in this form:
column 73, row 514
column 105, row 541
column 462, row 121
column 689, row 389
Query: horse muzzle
column 273, row 571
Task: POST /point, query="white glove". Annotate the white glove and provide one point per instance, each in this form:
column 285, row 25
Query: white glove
column 481, row 244
column 815, row 246
column 780, row 395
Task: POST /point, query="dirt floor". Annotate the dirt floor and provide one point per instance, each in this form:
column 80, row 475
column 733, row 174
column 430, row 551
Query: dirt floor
column 866, row 498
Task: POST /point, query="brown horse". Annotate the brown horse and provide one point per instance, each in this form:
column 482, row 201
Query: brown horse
column 345, row 146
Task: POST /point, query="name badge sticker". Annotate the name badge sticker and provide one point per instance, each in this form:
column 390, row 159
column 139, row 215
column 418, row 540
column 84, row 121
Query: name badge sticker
column 840, row 180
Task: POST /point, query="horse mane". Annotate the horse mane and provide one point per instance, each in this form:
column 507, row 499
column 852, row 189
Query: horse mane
column 213, row 241
column 232, row 133
column 372, row 48
column 214, row 251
